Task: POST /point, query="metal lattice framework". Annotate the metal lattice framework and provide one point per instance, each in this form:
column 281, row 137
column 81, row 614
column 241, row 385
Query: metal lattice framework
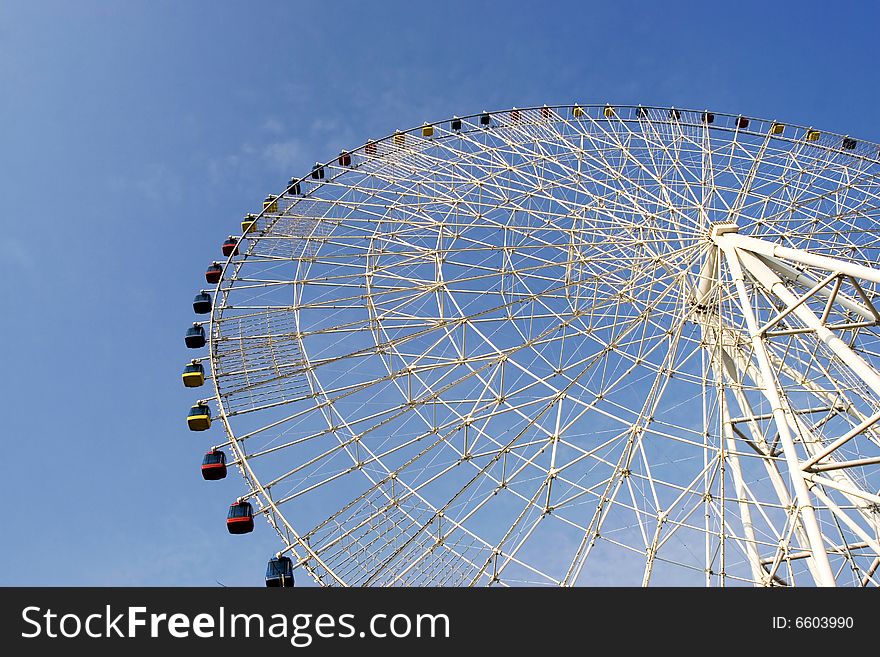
column 567, row 345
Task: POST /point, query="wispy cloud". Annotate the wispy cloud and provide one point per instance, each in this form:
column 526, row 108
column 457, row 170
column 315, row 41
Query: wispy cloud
column 283, row 154
column 155, row 182
column 18, row 256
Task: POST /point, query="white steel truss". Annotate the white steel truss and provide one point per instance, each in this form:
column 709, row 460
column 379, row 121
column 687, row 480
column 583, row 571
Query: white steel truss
column 806, row 454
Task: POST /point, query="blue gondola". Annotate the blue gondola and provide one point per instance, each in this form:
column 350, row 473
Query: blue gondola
column 202, row 303
column 485, row 119
column 279, row 572
column 293, row 187
column 240, row 519
column 214, row 465
column 318, row 171
column 195, row 336
column 455, row 124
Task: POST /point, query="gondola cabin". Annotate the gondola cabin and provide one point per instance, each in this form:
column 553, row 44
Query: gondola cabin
column 708, row 117
column 776, row 128
column 240, row 519
column 214, row 465
column 214, row 273
column 674, row 114
column 742, row 122
column 545, row 112
column 344, row 159
column 813, row 135
column 202, row 303
column 293, row 187
column 849, row 143
column 642, row 112
column 199, row 418
column 270, row 205
column 279, row 572
column 370, row 148
column 455, row 124
column 230, row 246
column 194, row 375
column 485, row 119
column 195, row 337
column 318, row 171
column 427, row 130
column 249, row 224
column 577, row 111
column 399, row 138
column 514, row 115
column 608, row 112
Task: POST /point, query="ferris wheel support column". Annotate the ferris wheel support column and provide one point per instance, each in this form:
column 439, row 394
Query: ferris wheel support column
column 765, row 276
column 820, row 566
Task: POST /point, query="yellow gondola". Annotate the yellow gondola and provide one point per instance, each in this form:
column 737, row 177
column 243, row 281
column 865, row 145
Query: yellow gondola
column 776, row 128
column 399, row 138
column 813, row 135
column 577, row 111
column 194, row 375
column 199, row 418
column 270, row 205
column 249, row 224
column 427, row 130
column 609, row 112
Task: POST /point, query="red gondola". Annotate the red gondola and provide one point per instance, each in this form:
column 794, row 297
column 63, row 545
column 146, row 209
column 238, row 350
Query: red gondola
column 240, row 519
column 370, row 148
column 214, row 273
column 214, row 465
column 230, row 246
column 742, row 123
column 344, row 159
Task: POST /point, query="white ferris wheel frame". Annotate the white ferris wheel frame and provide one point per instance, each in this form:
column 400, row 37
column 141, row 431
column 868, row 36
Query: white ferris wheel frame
column 772, row 269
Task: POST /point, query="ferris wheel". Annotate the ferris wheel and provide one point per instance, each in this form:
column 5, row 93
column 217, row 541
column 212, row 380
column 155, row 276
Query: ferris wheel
column 573, row 345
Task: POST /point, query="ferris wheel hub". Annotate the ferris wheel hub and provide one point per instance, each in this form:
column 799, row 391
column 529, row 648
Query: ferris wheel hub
column 720, row 228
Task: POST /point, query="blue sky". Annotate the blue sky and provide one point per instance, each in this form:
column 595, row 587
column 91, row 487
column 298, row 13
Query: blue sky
column 135, row 135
